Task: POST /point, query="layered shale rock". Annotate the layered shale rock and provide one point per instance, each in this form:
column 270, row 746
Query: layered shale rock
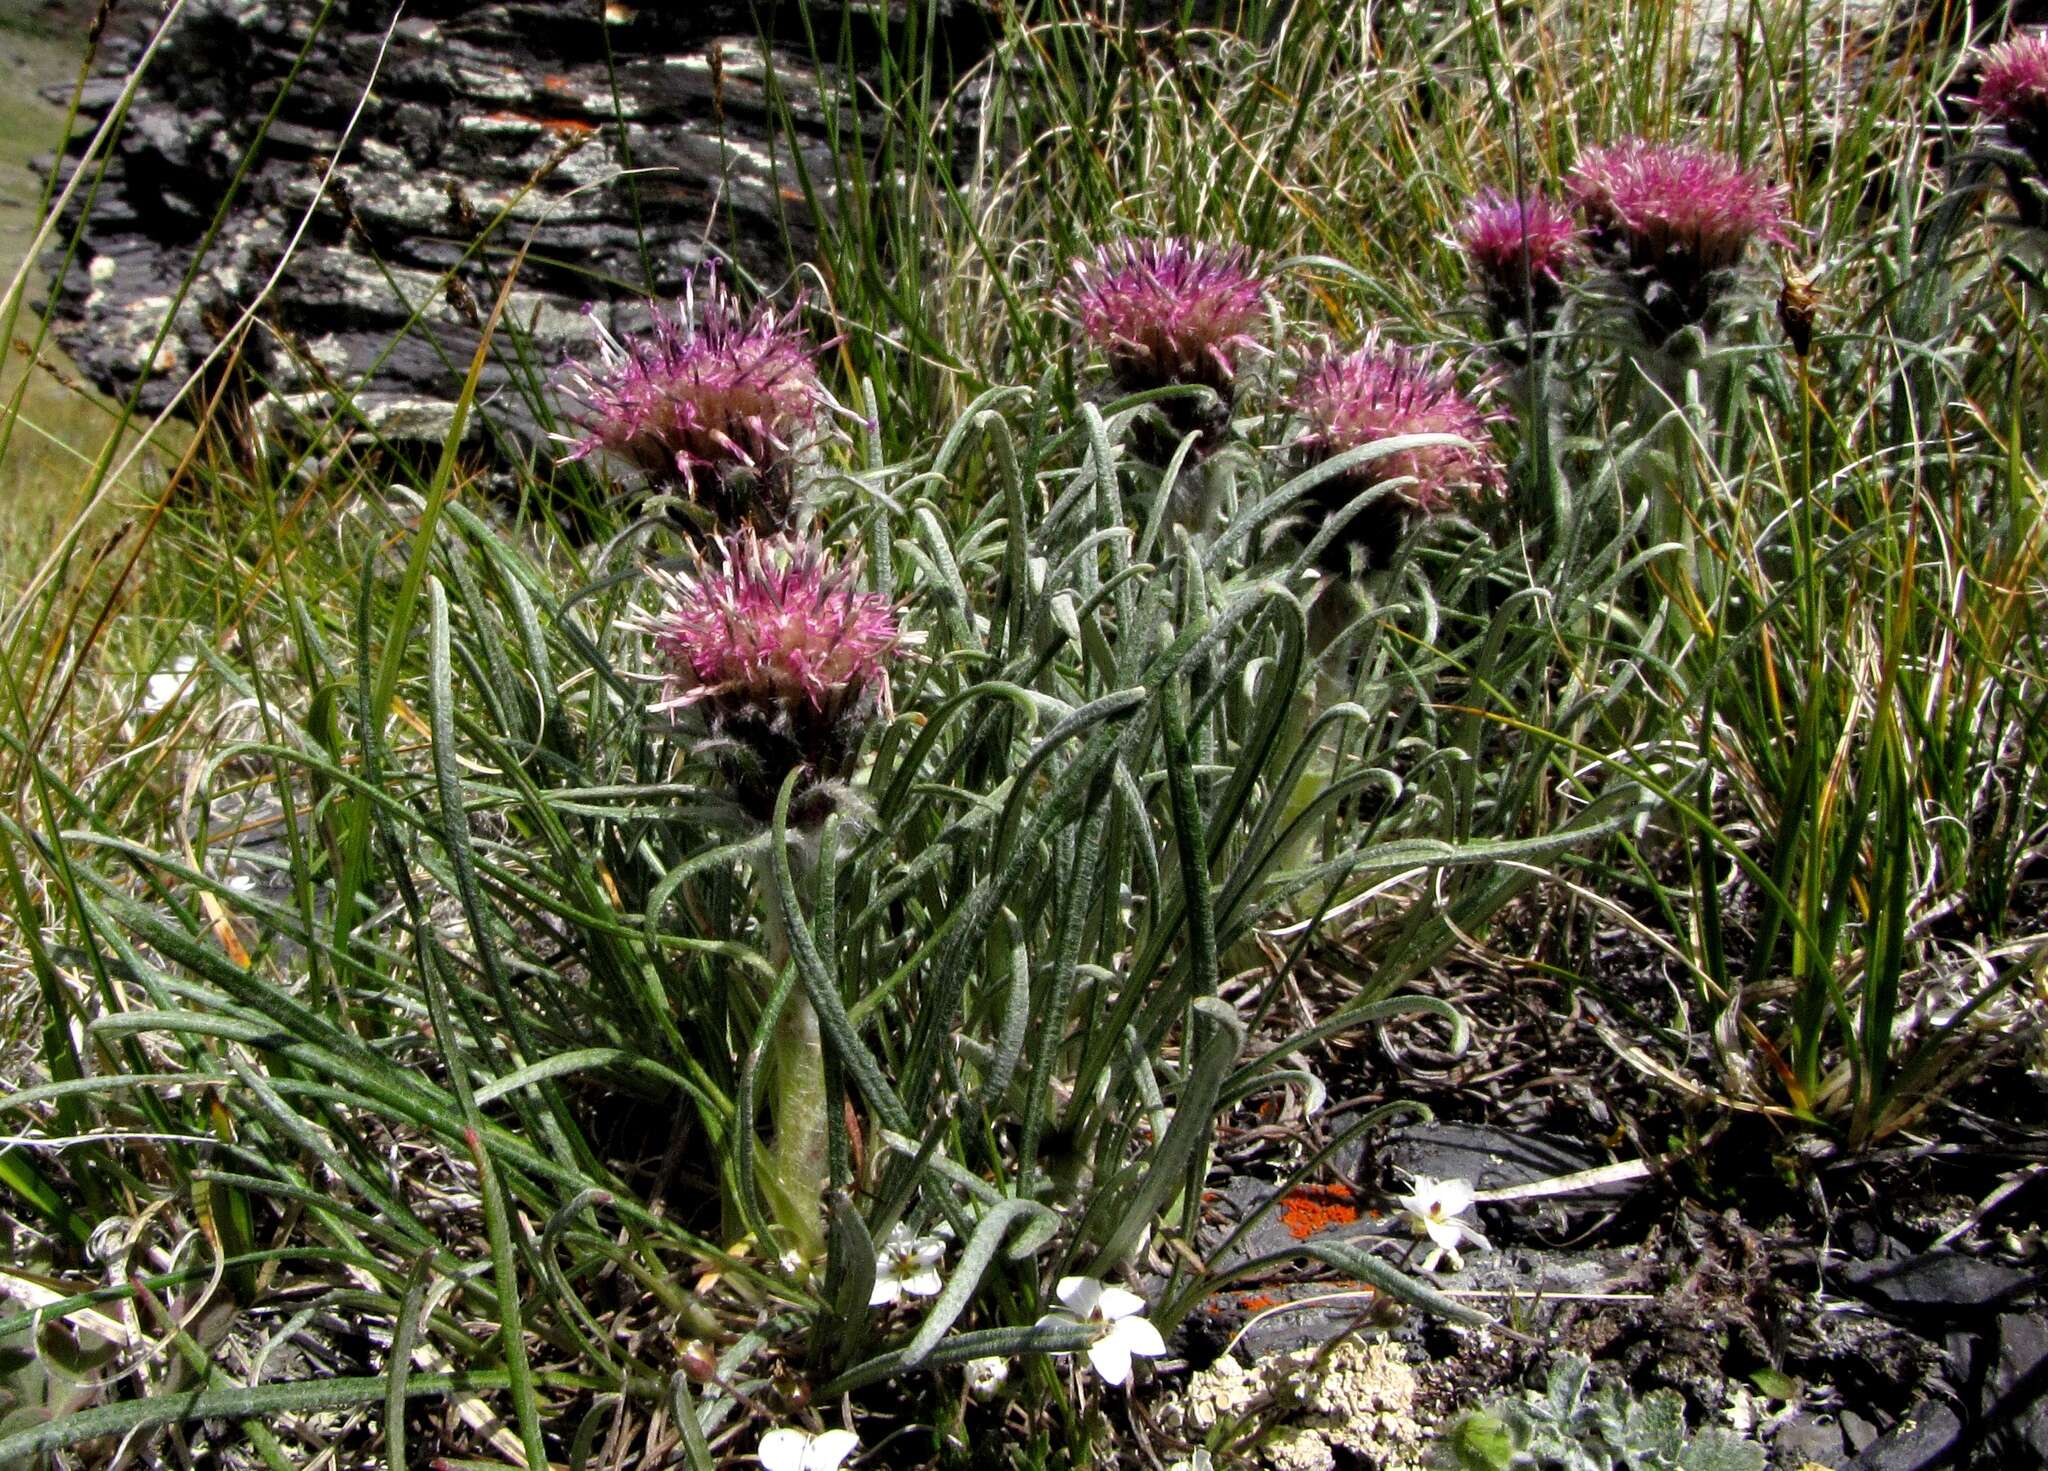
column 619, row 145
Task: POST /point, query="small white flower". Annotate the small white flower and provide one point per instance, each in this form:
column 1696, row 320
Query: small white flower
column 1121, row 1332
column 1431, row 1208
column 907, row 1266
column 987, row 1375
column 161, row 688
column 799, row 1450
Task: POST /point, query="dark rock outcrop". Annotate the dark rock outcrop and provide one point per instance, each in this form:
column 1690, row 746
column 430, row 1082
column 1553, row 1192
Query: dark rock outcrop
column 622, row 144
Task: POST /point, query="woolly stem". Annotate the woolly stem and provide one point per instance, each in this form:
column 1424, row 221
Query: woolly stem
column 796, row 1161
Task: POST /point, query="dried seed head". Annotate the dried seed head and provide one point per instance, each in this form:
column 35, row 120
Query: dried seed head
column 1798, row 307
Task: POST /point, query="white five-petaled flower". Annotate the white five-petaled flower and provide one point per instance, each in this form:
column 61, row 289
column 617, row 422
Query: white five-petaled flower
column 799, row 1450
column 907, row 1266
column 1432, row 1208
column 1121, row 1331
column 986, row 1375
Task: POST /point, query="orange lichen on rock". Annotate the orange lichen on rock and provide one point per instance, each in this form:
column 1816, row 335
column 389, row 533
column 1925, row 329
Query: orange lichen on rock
column 1316, row 1208
column 1257, row 1302
column 561, row 127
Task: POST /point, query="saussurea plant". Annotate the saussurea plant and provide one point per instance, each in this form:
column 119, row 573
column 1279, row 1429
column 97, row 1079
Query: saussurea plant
column 1431, row 449
column 714, row 405
column 1520, row 252
column 1011, row 908
column 1672, row 226
column 1171, row 314
column 540, row 988
column 782, row 662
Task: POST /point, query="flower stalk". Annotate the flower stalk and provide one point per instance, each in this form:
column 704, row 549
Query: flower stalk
column 797, row 1157
column 780, row 663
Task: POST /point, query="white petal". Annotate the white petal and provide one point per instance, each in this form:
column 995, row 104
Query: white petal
column 783, row 1450
column 828, row 1450
column 898, row 1240
column 1477, row 1240
column 1446, row 1234
column 1058, row 1320
column 1453, row 1197
column 927, row 1283
column 1429, row 1262
column 1117, row 1303
column 1139, row 1337
column 1112, row 1360
column 888, row 1289
column 928, row 1252
column 986, row 1375
column 1079, row 1294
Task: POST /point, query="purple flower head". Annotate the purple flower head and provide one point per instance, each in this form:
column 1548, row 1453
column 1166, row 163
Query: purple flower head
column 1382, row 392
column 2012, row 82
column 2012, row 91
column 1506, row 239
column 714, row 397
column 1672, row 219
column 1169, row 311
column 1519, row 252
column 783, row 656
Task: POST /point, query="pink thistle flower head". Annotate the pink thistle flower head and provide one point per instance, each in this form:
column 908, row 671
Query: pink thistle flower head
column 1168, row 311
column 1679, row 196
column 711, row 396
column 1508, row 240
column 2012, row 91
column 1384, row 392
column 1519, row 252
column 2012, row 82
column 786, row 659
column 1381, row 392
column 1673, row 217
